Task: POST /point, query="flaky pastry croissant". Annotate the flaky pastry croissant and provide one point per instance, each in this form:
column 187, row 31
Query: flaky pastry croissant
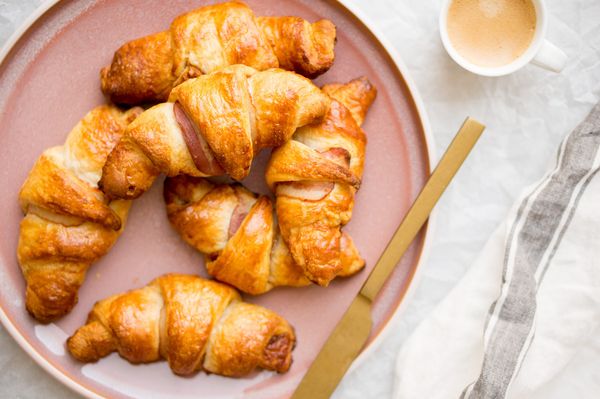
column 213, row 124
column 210, row 38
column 314, row 177
column 194, row 324
column 68, row 223
column 238, row 233
column 236, row 228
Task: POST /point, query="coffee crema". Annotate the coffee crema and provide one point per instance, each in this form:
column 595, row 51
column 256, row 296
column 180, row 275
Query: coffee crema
column 491, row 33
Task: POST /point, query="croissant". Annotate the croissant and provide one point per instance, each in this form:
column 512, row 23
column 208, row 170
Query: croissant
column 194, row 324
column 213, row 124
column 315, row 176
column 210, row 38
column 236, row 229
column 68, row 223
column 237, row 232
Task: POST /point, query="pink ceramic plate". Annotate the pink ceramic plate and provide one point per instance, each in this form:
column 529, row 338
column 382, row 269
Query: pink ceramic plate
column 49, row 80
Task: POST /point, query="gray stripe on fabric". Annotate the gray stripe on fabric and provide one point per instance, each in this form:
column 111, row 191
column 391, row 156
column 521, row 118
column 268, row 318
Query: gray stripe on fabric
column 509, row 242
column 565, row 227
column 518, row 217
column 514, row 323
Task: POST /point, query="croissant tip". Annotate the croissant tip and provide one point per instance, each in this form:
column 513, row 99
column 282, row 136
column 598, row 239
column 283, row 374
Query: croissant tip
column 90, row 342
column 278, row 352
column 38, row 307
column 321, row 282
column 116, row 224
column 103, row 73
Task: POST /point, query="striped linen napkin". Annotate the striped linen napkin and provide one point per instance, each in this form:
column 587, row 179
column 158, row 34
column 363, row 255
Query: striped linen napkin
column 524, row 322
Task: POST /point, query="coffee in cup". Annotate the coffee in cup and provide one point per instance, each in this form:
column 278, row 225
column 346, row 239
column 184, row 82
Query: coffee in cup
column 491, row 33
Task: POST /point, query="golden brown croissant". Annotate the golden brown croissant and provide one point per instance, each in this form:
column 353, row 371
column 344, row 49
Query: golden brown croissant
column 210, row 38
column 315, row 176
column 238, row 233
column 68, row 223
column 213, row 124
column 236, row 229
column 195, row 324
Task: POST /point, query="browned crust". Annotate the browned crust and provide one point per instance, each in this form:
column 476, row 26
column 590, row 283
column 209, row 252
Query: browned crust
column 300, row 46
column 141, row 71
column 356, row 95
column 312, row 228
column 212, row 37
column 286, row 161
column 219, row 105
column 69, row 223
column 253, row 258
column 200, row 211
column 61, row 192
column 128, row 172
column 237, row 111
column 91, row 342
column 246, row 258
column 194, row 323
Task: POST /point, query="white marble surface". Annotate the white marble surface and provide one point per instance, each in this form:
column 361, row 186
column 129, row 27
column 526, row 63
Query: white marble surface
column 527, row 114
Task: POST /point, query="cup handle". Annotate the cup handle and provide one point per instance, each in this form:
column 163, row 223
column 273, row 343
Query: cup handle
column 550, row 57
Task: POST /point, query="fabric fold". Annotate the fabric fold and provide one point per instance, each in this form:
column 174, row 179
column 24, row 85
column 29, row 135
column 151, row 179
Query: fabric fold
column 491, row 336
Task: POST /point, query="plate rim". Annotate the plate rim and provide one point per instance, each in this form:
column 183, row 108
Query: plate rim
column 429, row 228
column 405, row 298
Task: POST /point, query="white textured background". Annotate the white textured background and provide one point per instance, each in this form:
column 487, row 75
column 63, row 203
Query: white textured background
column 527, row 115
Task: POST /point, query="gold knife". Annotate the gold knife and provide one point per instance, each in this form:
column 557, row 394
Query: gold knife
column 351, row 333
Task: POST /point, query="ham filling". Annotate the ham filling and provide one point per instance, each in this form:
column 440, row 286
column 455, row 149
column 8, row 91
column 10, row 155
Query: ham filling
column 307, row 190
column 237, row 218
column 315, row 190
column 239, row 213
column 341, row 156
column 277, row 350
column 65, row 220
column 203, row 157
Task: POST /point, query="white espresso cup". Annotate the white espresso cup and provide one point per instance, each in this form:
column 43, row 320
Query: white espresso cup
column 540, row 51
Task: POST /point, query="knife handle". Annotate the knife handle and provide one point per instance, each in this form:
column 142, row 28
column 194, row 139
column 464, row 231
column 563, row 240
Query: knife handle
column 419, row 212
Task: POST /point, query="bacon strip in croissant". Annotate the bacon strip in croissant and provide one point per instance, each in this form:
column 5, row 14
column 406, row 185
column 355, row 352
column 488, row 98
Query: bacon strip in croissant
column 68, row 223
column 195, row 324
column 210, row 38
column 315, row 176
column 213, row 124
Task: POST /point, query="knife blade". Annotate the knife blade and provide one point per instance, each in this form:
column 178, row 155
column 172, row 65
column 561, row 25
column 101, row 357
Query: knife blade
column 352, row 331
